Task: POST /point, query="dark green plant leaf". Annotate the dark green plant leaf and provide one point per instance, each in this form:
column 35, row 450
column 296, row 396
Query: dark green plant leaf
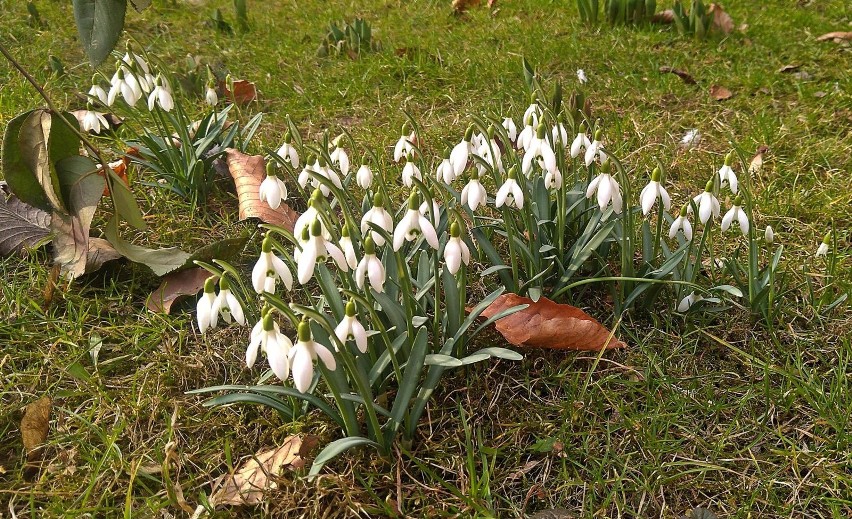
column 160, row 261
column 334, row 449
column 99, row 24
column 21, row 182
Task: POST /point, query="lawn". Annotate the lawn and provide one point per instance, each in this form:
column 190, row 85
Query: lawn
column 712, row 410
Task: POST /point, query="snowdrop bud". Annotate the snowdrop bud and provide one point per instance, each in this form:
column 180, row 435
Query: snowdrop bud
column 656, row 176
column 206, row 316
column 769, row 235
column 598, row 134
column 468, row 134
column 822, row 250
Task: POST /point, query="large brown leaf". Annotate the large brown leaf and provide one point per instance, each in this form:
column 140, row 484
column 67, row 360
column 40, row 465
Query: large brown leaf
column 176, row 285
column 248, row 171
column 35, row 425
column 721, row 19
column 247, row 485
column 545, row 324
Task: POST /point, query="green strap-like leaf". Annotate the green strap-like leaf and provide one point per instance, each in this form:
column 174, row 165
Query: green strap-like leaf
column 334, row 449
column 99, row 24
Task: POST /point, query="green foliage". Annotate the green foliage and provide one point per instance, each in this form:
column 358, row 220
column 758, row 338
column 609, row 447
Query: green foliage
column 242, row 14
column 694, row 23
column 625, row 12
column 352, row 39
column 99, row 25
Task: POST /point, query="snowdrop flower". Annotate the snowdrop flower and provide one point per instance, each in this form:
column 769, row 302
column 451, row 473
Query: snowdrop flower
column 553, row 179
column 364, row 175
column 338, row 156
column 288, row 152
column 652, row 192
column 404, row 145
column 681, row 223
column 321, row 169
column 687, row 302
column 581, row 76
column 268, row 269
column 227, row 305
column 533, row 111
column 135, row 61
column 474, row 193
column 511, row 129
column 98, row 92
column 560, row 134
column 607, row 189
column 769, row 235
column 445, row 171
column 410, row 171
column 351, row 328
column 434, row 211
column 412, row 225
column 527, row 134
column 707, row 204
column 690, row 139
column 461, row 152
column 491, row 155
column 595, row 148
column 822, row 250
column 581, row 142
column 370, row 266
column 304, row 353
column 161, row 96
column 307, row 218
column 510, row 193
column 727, row 175
column 539, row 148
column 204, row 308
column 379, row 216
column 456, row 251
column 317, row 251
column 272, row 189
column 93, row 121
column 276, row 345
column 126, row 85
column 348, row 248
column 210, row 95
column 736, row 212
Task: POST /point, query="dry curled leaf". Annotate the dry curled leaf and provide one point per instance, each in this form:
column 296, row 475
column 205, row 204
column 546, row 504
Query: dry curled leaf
column 721, row 19
column 248, row 171
column 244, row 91
column 684, row 75
column 247, row 485
column 176, row 285
column 34, row 426
column 545, row 324
column 720, row 93
column 836, row 36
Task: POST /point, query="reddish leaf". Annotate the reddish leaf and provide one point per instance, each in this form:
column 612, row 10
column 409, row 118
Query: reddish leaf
column 244, row 91
column 720, row 93
column 248, row 171
column 666, row 16
column 721, row 19
column 835, row 36
column 684, row 75
column 545, row 324
column 176, row 285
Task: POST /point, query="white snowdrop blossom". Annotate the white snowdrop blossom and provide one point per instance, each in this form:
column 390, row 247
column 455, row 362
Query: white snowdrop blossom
column 822, row 250
column 708, row 204
column 319, row 168
column 351, row 329
column 370, row 266
column 348, row 248
column 305, row 220
column 267, row 337
column 526, row 135
column 607, row 189
column 303, row 355
column 204, row 313
column 510, row 193
column 581, row 142
column 769, row 235
column 652, row 192
column 210, row 96
column 681, row 223
column 272, row 189
column 560, row 135
column 581, row 76
column 539, row 148
column 456, row 250
column 691, row 139
column 268, row 269
column 553, row 179
column 736, row 213
column 533, row 112
column 317, row 251
column 445, row 172
column 227, row 305
column 461, row 153
column 433, row 209
column 93, row 121
column 412, row 225
column 98, row 92
column 727, row 175
column 364, row 177
column 409, row 172
column 511, row 129
column 125, row 84
column 160, row 95
column 491, row 154
column 288, row 152
column 379, row 216
column 595, row 148
column 687, row 302
column 404, row 145
column 338, row 156
column 473, row 194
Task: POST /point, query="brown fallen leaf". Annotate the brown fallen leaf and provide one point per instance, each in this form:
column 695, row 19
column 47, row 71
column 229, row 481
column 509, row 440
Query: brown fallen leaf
column 244, row 91
column 666, row 16
column 720, row 93
column 789, row 68
column 756, row 163
column 248, row 171
column 176, row 285
column 684, row 75
column 460, row 6
column 35, row 425
column 545, row 324
column 836, row 36
column 721, row 19
column 247, row 485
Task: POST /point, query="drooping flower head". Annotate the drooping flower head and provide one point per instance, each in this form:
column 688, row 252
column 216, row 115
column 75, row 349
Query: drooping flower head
column 364, row 175
column 708, row 204
column 288, row 152
column 510, row 193
column 267, row 337
column 607, row 189
column 370, row 266
column 338, row 156
column 456, row 250
column 727, row 175
column 540, row 149
column 410, row 171
column 347, row 247
column 272, row 189
column 125, row 84
column 595, row 148
column 445, row 171
column 316, row 252
column 405, row 144
column 461, row 152
column 227, row 305
column 682, row 224
column 351, row 329
column 652, row 192
column 304, row 353
column 377, row 215
column 268, row 269
column 412, row 225
column 533, row 111
column 211, row 97
column 97, row 90
column 473, row 194
column 581, row 142
column 736, row 213
column 511, row 129
column 93, row 121
column 204, row 313
column 769, row 235
column 160, row 95
column 822, row 250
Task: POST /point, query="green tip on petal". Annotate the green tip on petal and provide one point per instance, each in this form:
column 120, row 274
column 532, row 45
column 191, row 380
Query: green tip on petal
column 288, row 138
column 268, row 324
column 306, row 233
column 316, row 196
column 345, row 231
column 414, row 201
column 322, row 162
column 455, row 230
column 305, row 331
column 606, row 167
column 533, row 98
column 365, row 159
column 351, row 309
column 447, row 152
column 210, row 285
column 369, row 245
column 224, row 284
column 311, row 159
column 684, row 210
column 267, row 244
column 405, row 128
column 656, row 175
column 709, row 186
column 316, row 227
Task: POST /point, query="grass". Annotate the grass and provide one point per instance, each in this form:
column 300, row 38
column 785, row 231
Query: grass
column 715, row 412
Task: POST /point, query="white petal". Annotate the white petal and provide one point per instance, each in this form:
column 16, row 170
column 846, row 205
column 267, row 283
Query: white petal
column 360, row 335
column 236, row 309
column 604, row 192
column 667, row 201
column 251, row 352
column 743, row 218
column 258, row 273
column 687, row 229
column 728, row 218
column 303, row 368
column 282, row 270
column 377, row 274
column 428, row 232
column 675, row 226
column 277, row 355
column 459, row 156
column 593, row 186
column 648, row 197
column 326, row 356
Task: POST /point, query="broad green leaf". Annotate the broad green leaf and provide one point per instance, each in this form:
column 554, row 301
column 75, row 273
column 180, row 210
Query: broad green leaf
column 99, row 24
column 160, row 261
column 334, row 449
column 124, row 201
column 252, row 398
column 18, row 176
column 439, row 359
column 501, row 353
column 410, row 379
